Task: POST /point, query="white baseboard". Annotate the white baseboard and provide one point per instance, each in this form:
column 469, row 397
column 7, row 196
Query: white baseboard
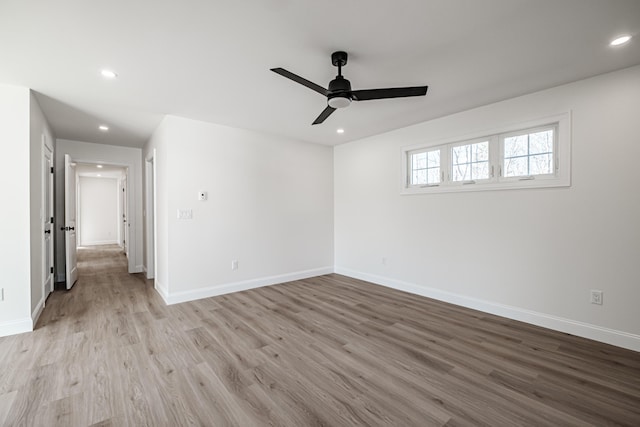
column 139, row 269
column 212, row 291
column 573, row 327
column 14, row 327
column 162, row 291
column 37, row 312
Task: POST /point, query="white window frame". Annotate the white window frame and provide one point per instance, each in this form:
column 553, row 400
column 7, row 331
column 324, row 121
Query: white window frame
column 409, row 168
column 529, row 131
column 562, row 159
column 449, row 165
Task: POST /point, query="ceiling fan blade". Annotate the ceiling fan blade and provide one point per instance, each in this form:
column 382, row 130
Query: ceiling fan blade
column 398, row 92
column 323, row 116
column 296, row 78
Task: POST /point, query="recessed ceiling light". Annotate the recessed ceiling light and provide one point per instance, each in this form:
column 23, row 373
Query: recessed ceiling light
column 340, row 130
column 103, row 128
column 108, row 74
column 98, row 175
column 99, row 166
column 620, row 40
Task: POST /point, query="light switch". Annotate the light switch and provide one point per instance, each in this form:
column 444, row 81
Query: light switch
column 185, row 214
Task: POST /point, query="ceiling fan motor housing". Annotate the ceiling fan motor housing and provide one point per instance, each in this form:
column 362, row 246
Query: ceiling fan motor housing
column 339, row 93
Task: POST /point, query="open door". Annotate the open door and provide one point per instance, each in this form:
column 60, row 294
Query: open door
column 70, row 241
column 125, row 224
column 47, row 218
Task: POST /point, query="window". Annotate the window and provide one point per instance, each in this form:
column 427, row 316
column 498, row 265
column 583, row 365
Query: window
column 528, row 154
column 534, row 154
column 470, row 161
column 425, row 167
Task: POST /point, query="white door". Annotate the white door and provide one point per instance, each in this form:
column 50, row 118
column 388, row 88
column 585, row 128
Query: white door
column 70, row 241
column 125, row 224
column 47, row 218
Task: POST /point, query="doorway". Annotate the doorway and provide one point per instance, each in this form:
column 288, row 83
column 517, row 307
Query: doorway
column 102, row 207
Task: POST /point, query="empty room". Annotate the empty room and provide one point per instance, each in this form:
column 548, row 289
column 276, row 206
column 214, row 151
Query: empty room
column 297, row 213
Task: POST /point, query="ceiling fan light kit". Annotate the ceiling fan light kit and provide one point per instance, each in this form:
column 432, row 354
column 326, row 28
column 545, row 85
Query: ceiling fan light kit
column 339, row 93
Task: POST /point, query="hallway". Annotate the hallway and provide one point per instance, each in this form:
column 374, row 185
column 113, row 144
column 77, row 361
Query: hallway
column 64, row 372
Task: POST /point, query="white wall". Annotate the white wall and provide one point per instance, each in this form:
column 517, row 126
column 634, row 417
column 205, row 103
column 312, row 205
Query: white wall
column 15, row 270
column 86, row 152
column 157, row 148
column 459, row 247
column 98, row 208
column 39, row 129
column 270, row 206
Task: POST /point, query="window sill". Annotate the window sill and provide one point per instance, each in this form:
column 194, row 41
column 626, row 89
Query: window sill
column 490, row 186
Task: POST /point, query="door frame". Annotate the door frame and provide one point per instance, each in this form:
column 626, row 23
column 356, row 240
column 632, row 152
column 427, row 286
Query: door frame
column 131, row 266
column 150, row 215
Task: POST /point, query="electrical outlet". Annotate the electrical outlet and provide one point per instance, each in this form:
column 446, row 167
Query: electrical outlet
column 234, row 264
column 596, row 297
column 202, row 195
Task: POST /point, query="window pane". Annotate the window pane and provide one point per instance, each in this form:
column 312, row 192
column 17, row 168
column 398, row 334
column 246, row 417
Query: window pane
column 541, row 164
column 419, row 161
column 541, row 142
column 516, row 167
column 516, row 146
column 433, row 158
column 480, row 170
column 460, row 154
column 480, row 151
column 433, row 176
column 419, row 177
column 462, row 172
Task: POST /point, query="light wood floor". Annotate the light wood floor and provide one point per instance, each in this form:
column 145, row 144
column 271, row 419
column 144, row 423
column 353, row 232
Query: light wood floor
column 324, row 351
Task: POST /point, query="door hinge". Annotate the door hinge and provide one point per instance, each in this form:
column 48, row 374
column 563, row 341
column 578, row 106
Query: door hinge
column 51, row 269
column 51, row 169
column 51, row 220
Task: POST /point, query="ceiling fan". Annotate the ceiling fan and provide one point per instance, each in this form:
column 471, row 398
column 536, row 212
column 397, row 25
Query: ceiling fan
column 339, row 93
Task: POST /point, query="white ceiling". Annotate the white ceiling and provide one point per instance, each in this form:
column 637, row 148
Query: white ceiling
column 210, row 59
